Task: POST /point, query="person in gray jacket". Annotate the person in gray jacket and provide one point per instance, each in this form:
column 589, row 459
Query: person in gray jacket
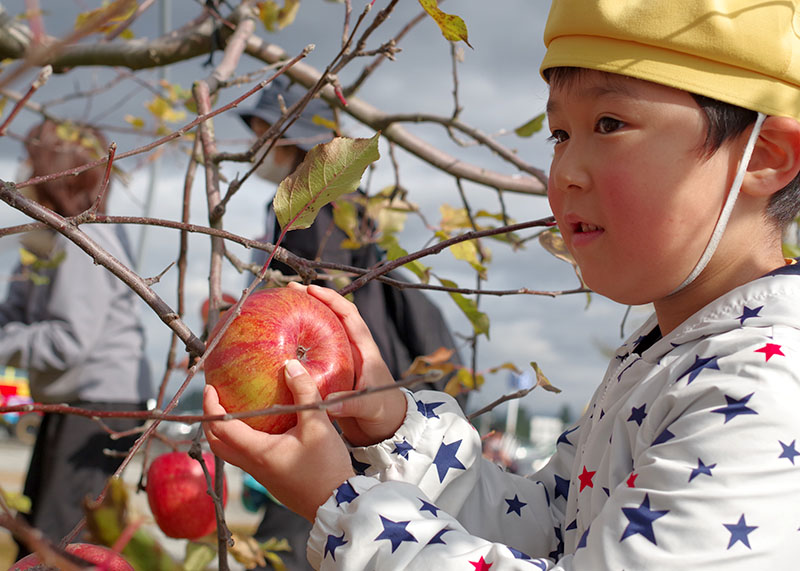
column 76, row 329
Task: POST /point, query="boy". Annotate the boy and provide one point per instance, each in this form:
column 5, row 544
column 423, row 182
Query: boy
column 677, row 151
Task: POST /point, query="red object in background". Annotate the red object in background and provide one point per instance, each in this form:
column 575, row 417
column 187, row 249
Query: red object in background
column 176, row 492
column 104, row 558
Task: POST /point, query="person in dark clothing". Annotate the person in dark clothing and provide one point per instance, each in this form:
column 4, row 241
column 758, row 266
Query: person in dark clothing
column 405, row 323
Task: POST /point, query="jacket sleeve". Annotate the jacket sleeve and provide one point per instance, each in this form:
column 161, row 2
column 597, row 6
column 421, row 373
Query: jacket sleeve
column 75, row 309
column 13, row 307
column 429, row 496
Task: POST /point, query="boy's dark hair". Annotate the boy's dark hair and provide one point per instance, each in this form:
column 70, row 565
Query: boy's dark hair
column 725, row 122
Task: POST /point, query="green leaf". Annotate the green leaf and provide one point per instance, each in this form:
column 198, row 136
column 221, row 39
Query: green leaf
column 453, row 28
column 329, row 171
column 533, row 126
column 345, row 216
column 791, row 251
column 478, row 319
column 395, row 251
column 198, row 556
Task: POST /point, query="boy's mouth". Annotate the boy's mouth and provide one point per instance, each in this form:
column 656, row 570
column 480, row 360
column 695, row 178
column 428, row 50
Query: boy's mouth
column 586, row 227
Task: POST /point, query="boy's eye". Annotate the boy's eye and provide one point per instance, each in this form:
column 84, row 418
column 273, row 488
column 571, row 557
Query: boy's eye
column 608, row 125
column 558, row 136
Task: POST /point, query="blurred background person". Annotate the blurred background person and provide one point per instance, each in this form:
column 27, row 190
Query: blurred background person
column 404, row 322
column 75, row 328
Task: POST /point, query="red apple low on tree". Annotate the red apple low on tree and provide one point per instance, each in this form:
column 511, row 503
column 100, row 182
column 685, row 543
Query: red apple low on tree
column 178, row 498
column 103, row 558
column 247, row 365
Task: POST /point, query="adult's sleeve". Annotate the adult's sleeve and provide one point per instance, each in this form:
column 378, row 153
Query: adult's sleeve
column 73, row 317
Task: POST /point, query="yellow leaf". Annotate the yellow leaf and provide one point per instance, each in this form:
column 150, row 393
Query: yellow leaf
column 437, row 364
column 98, row 20
column 277, row 18
column 135, row 122
column 542, row 381
column 453, row 28
column 26, row 257
column 164, row 111
column 323, row 122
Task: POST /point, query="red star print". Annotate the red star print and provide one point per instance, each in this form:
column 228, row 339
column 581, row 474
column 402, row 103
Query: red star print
column 586, row 479
column 770, row 350
column 632, row 480
column 481, row 565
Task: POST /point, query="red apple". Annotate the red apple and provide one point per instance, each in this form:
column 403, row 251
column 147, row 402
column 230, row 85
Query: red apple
column 275, row 325
column 178, row 498
column 104, row 558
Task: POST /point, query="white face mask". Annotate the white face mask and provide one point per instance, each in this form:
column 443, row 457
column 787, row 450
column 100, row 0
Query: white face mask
column 273, row 170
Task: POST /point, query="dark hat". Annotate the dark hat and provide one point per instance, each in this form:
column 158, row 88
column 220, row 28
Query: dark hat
column 306, row 131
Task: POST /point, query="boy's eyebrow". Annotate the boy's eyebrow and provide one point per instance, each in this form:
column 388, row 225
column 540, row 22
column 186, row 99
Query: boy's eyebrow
column 609, row 87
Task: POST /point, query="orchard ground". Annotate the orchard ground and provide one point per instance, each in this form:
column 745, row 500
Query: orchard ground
column 16, row 456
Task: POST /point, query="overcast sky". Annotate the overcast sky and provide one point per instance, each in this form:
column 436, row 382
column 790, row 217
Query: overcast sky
column 499, row 89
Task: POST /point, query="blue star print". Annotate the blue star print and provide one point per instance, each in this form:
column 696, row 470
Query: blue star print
column 563, row 437
column 345, row 493
column 395, row 531
column 698, row 366
column 582, row 541
column 740, row 532
column 701, row 469
column 748, row 313
column 663, row 437
column 638, row 414
column 360, row 468
column 735, row 407
column 402, row 449
column 446, row 459
column 438, row 537
column 429, row 507
column 426, row 409
column 789, row 451
column 515, row 505
column 562, row 487
column 518, row 554
column 332, row 543
column 641, row 520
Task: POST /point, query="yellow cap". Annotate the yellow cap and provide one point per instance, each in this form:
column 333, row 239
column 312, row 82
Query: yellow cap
column 743, row 52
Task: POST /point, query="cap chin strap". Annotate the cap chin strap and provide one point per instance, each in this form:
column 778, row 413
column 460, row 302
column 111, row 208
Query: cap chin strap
column 733, row 194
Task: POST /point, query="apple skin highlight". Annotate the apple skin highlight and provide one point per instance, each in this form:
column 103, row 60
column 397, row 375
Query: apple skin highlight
column 247, row 365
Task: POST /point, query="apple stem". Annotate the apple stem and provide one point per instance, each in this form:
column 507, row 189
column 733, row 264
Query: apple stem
column 301, row 352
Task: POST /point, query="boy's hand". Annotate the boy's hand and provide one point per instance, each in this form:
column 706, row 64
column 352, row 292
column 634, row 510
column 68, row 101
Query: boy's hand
column 301, row 467
column 371, row 418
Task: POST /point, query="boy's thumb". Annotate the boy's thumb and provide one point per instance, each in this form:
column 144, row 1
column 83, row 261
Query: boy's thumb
column 303, row 387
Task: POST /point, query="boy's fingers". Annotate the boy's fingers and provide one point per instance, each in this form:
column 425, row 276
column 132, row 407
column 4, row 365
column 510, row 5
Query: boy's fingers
column 231, row 440
column 303, row 388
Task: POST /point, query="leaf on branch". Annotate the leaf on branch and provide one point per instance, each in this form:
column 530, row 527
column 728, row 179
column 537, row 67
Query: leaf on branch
column 453, row 28
column 98, row 20
column 508, row 366
column 478, row 319
column 276, row 18
column 198, row 556
column 554, row 243
column 437, row 363
column 463, row 381
column 395, row 251
column 164, row 111
column 328, row 171
column 17, row 501
column 468, row 252
column 135, row 122
column 542, row 381
column 533, row 126
column 108, row 520
column 345, row 216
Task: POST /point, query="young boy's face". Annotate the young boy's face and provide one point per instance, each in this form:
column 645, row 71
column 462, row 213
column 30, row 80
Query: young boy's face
column 634, row 194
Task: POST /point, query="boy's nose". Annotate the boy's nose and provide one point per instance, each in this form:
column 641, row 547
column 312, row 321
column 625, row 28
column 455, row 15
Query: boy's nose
column 569, row 171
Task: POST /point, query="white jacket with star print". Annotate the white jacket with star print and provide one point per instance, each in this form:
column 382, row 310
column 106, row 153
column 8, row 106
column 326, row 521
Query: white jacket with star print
column 686, row 458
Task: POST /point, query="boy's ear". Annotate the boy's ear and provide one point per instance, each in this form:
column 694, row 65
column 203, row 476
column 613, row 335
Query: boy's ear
column 776, row 157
